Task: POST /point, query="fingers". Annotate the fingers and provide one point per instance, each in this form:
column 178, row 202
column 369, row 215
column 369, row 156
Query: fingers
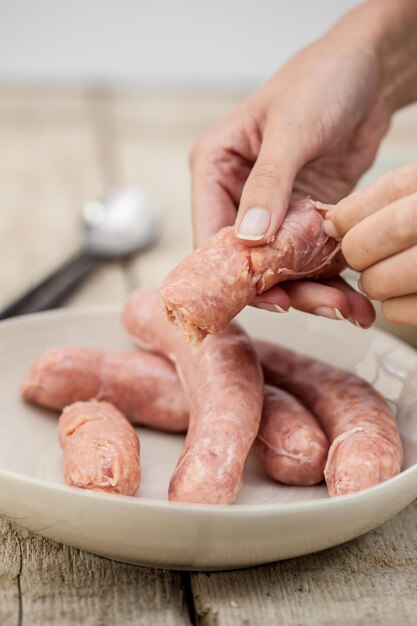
column 382, row 234
column 401, row 310
column 392, row 277
column 359, row 205
column 220, row 164
column 362, row 311
column 275, row 300
column 212, row 203
column 333, row 299
column 318, row 298
column 379, row 230
column 267, row 191
column 213, row 207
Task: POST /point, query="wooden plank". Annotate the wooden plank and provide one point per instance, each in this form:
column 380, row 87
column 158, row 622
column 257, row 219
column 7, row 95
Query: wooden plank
column 10, row 564
column 43, row 582
column 51, row 162
column 52, row 159
column 61, row 585
column 48, row 168
column 371, row 580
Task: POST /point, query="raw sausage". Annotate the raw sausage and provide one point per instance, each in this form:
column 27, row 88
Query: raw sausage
column 214, row 283
column 365, row 445
column 101, row 448
column 144, row 386
column 291, row 446
column 146, row 389
column 224, row 383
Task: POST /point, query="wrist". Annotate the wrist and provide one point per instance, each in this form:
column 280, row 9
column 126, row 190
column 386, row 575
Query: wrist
column 397, row 52
column 386, row 30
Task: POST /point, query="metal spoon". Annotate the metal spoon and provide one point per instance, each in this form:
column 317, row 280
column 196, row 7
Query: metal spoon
column 123, row 222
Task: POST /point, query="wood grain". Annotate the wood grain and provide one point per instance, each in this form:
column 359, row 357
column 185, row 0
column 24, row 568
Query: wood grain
column 43, row 582
column 10, row 563
column 370, row 581
column 52, row 159
column 48, row 168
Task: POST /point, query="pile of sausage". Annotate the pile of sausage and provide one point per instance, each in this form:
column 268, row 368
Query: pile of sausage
column 304, row 420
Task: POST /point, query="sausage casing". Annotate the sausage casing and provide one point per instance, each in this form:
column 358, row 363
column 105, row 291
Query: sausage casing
column 224, row 383
column 100, row 447
column 216, row 281
column 143, row 386
column 365, row 445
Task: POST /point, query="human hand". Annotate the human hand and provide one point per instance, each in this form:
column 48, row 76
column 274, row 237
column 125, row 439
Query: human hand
column 378, row 227
column 313, row 129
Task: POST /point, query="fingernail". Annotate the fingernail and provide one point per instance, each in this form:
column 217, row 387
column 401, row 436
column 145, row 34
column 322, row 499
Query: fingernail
column 267, row 306
column 360, row 286
column 323, row 205
column 254, row 224
column 355, row 322
column 330, row 312
column 330, row 229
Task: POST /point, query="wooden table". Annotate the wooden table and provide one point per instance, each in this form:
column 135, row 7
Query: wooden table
column 57, row 150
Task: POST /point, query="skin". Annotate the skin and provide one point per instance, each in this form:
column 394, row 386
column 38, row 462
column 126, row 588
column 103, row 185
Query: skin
column 313, row 129
column 379, row 229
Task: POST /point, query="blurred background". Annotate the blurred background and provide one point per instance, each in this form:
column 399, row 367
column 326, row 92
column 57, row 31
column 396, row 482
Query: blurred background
column 219, row 45
column 100, row 94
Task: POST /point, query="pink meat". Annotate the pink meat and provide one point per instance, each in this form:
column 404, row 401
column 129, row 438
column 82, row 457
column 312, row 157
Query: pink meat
column 101, row 448
column 214, row 283
column 365, row 445
column 224, row 384
column 143, row 386
column 291, row 446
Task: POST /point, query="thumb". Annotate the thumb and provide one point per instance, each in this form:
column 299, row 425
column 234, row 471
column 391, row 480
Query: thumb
column 267, row 191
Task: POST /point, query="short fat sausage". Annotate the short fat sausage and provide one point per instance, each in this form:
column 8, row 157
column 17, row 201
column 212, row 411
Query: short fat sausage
column 216, row 281
column 291, row 447
column 224, row 383
column 100, row 447
column 144, row 386
column 365, row 445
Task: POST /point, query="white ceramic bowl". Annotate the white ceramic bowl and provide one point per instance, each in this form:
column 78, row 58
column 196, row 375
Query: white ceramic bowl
column 269, row 521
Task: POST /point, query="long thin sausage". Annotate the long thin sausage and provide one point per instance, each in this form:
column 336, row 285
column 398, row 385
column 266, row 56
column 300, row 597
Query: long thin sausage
column 101, row 448
column 365, row 445
column 290, row 446
column 224, row 383
column 144, row 386
column 214, row 283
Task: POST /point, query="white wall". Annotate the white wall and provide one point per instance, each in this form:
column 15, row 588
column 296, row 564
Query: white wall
column 191, row 43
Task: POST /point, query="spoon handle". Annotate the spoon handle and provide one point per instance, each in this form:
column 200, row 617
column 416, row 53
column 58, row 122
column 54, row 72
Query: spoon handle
column 50, row 291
